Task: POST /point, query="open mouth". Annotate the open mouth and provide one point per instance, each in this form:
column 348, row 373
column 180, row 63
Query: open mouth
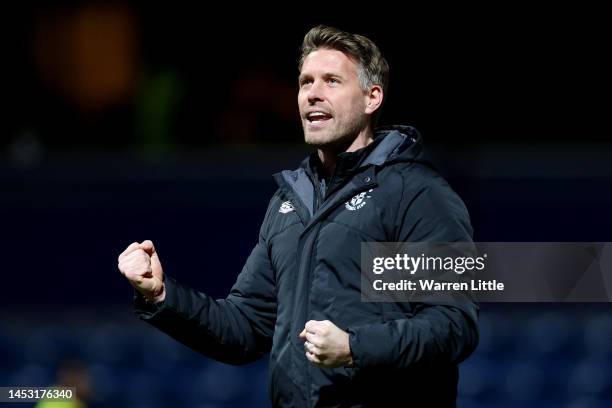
column 318, row 117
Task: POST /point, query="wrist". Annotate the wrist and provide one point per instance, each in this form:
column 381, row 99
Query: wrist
column 156, row 296
column 349, row 354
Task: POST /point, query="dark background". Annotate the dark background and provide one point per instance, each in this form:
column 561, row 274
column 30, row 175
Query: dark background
column 133, row 121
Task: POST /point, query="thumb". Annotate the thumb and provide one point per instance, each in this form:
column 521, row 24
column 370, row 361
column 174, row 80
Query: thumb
column 147, row 246
column 302, row 335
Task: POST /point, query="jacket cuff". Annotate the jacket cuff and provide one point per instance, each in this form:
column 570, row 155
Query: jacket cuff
column 147, row 310
column 367, row 348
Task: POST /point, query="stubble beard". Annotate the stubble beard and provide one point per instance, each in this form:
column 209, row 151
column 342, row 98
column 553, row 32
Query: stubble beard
column 337, row 138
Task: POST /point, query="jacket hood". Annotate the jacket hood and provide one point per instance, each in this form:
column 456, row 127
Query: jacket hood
column 397, row 143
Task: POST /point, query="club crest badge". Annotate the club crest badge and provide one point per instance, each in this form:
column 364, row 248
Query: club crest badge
column 358, row 201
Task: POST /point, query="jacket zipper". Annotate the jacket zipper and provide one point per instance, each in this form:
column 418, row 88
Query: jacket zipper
column 317, row 204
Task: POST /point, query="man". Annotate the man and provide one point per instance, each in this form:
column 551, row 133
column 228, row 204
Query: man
column 298, row 295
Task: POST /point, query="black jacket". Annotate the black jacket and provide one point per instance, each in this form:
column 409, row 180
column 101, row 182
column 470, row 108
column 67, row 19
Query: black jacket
column 306, row 266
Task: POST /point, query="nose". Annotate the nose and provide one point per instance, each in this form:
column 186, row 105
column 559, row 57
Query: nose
column 314, row 93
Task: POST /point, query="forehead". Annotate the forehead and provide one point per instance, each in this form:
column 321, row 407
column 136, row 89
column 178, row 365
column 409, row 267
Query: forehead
column 328, row 61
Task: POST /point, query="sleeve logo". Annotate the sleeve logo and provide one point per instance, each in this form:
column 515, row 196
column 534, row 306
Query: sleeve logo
column 286, row 207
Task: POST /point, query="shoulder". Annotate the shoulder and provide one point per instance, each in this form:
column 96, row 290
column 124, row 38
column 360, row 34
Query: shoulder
column 408, row 180
column 423, row 192
column 274, row 205
column 279, row 215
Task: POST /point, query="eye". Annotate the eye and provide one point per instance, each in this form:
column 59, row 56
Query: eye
column 305, row 81
column 333, row 81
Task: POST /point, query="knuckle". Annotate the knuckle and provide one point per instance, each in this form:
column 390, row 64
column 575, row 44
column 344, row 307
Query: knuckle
column 132, row 255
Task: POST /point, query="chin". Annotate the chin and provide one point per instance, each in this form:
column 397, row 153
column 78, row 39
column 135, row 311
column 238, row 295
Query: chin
column 317, row 138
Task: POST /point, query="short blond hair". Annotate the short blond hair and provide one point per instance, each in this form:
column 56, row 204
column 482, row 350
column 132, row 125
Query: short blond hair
column 373, row 68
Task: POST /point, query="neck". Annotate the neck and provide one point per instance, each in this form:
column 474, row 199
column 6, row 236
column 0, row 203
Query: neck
column 329, row 154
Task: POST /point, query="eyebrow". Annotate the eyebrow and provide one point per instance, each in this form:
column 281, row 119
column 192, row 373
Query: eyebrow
column 325, row 75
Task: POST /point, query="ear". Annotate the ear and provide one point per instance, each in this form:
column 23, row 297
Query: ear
column 373, row 99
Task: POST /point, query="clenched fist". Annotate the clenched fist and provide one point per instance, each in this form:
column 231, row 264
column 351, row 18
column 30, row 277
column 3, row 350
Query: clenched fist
column 326, row 345
column 140, row 264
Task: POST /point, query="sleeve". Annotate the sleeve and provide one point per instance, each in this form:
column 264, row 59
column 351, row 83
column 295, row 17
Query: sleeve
column 235, row 330
column 430, row 333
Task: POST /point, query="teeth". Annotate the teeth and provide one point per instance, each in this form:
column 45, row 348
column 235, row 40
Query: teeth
column 317, row 115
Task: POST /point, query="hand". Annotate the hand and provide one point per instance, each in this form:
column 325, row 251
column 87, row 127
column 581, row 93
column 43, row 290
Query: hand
column 140, row 264
column 326, row 344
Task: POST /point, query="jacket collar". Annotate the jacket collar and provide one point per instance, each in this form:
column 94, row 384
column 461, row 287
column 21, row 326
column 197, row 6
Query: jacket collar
column 355, row 171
